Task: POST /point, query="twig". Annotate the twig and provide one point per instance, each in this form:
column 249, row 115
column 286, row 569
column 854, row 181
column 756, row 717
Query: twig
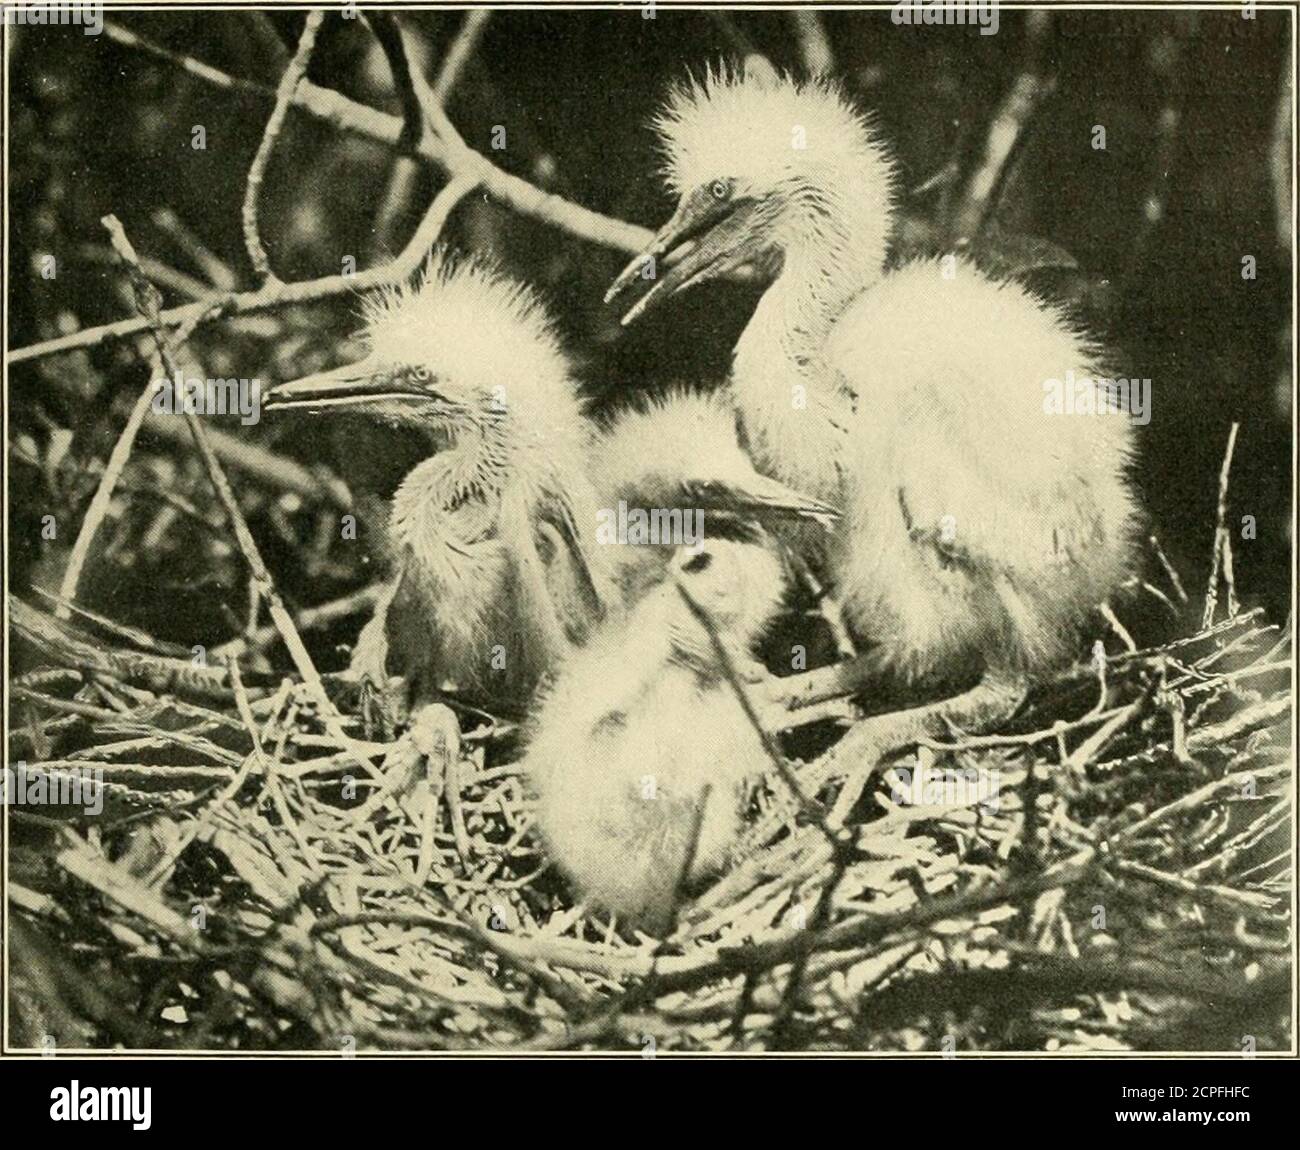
column 103, row 497
column 307, row 619
column 147, row 303
column 384, row 28
column 1006, row 133
column 1222, row 560
column 1108, row 613
column 814, row 45
column 458, row 55
column 265, row 466
column 289, row 82
column 1170, row 570
column 1195, row 799
column 101, row 501
column 208, row 262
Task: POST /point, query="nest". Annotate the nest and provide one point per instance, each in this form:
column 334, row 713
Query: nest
column 266, row 876
column 267, row 869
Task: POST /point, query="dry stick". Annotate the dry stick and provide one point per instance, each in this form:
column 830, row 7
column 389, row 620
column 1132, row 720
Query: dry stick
column 192, row 831
column 1222, row 543
column 1226, row 785
column 103, row 497
column 293, row 76
column 306, row 620
column 147, row 302
column 814, row 45
column 453, row 64
column 101, row 501
column 402, row 175
column 1006, row 133
column 164, row 275
column 200, row 255
column 1171, row 571
column 1107, row 612
column 458, row 55
column 839, row 841
column 257, row 462
column 384, row 28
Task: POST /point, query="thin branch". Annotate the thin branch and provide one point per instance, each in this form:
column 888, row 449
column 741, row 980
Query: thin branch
column 383, row 26
column 1222, row 560
column 1171, row 572
column 815, row 55
column 1006, row 133
column 349, row 116
column 103, row 497
column 462, row 49
column 147, row 303
column 293, row 76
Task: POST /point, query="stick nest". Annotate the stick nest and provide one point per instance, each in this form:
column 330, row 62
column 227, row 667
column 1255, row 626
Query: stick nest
column 255, row 882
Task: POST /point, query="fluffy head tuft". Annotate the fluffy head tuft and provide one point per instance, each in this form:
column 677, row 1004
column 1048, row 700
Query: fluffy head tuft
column 471, row 325
column 761, row 130
column 653, row 449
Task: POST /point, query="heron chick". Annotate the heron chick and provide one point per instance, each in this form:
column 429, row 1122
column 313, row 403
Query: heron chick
column 979, row 528
column 641, row 753
column 495, row 580
column 679, row 455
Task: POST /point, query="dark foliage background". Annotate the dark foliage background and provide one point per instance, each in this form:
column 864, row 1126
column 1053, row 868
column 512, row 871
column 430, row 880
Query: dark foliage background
column 96, row 127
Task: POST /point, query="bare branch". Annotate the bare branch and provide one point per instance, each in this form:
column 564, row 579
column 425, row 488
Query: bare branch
column 350, row 116
column 1006, row 133
column 147, row 303
column 461, row 50
column 289, row 82
column 1222, row 560
column 814, row 45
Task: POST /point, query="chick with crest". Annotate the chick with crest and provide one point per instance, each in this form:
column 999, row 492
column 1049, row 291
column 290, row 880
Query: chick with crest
column 978, row 529
column 495, row 579
column 677, row 460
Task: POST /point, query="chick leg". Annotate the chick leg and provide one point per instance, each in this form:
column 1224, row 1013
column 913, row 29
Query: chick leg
column 861, row 750
column 857, row 756
column 828, row 606
column 368, row 668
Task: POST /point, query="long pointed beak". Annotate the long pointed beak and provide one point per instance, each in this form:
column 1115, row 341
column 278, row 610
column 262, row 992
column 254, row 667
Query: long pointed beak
column 761, row 499
column 362, row 384
column 723, row 237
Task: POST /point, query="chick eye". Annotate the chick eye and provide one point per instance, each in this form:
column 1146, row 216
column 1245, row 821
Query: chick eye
column 698, row 562
column 420, row 373
column 721, row 189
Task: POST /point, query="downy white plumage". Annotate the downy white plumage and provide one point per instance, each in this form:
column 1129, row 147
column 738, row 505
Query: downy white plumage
column 678, row 455
column 641, row 754
column 495, row 576
column 978, row 530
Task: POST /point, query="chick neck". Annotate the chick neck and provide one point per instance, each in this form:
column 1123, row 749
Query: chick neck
column 793, row 404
